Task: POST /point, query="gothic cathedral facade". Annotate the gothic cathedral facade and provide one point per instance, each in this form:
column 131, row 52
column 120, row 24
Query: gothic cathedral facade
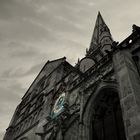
column 97, row 99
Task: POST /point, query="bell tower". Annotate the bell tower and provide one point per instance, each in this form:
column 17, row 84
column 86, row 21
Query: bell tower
column 100, row 46
column 101, row 40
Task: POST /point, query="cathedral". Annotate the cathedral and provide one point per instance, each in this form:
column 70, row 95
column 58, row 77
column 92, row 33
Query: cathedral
column 97, row 99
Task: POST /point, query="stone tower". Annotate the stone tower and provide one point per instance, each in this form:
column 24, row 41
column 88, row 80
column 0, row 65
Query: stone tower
column 98, row 99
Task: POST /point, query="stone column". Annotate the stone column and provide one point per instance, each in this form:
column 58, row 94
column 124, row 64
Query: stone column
column 81, row 123
column 129, row 86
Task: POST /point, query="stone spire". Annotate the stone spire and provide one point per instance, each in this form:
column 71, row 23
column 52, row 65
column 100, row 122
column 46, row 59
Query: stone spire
column 101, row 37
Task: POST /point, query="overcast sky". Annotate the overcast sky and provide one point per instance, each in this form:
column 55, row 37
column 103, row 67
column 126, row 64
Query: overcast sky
column 34, row 31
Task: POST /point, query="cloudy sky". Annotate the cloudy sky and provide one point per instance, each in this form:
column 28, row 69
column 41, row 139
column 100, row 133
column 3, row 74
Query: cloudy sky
column 34, row 31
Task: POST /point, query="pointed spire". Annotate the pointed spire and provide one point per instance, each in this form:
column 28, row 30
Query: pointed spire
column 101, row 34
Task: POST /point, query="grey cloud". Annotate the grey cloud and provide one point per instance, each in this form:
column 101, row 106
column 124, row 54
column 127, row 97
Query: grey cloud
column 2, row 134
column 8, row 103
column 20, row 72
column 34, row 69
column 10, row 97
column 16, row 9
column 10, row 73
column 23, row 30
column 22, row 50
column 54, row 18
column 53, row 25
column 11, row 91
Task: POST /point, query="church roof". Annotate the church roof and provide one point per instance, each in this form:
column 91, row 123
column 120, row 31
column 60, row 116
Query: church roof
column 45, row 71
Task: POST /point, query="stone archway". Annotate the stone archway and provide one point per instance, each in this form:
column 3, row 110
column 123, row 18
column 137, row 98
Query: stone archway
column 107, row 123
column 102, row 116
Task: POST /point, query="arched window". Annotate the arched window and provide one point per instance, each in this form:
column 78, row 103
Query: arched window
column 30, row 121
column 27, row 110
column 35, row 92
column 23, row 116
column 47, row 82
column 20, row 128
column 41, row 84
column 34, row 118
column 38, row 114
column 25, row 125
column 16, row 131
column 39, row 100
